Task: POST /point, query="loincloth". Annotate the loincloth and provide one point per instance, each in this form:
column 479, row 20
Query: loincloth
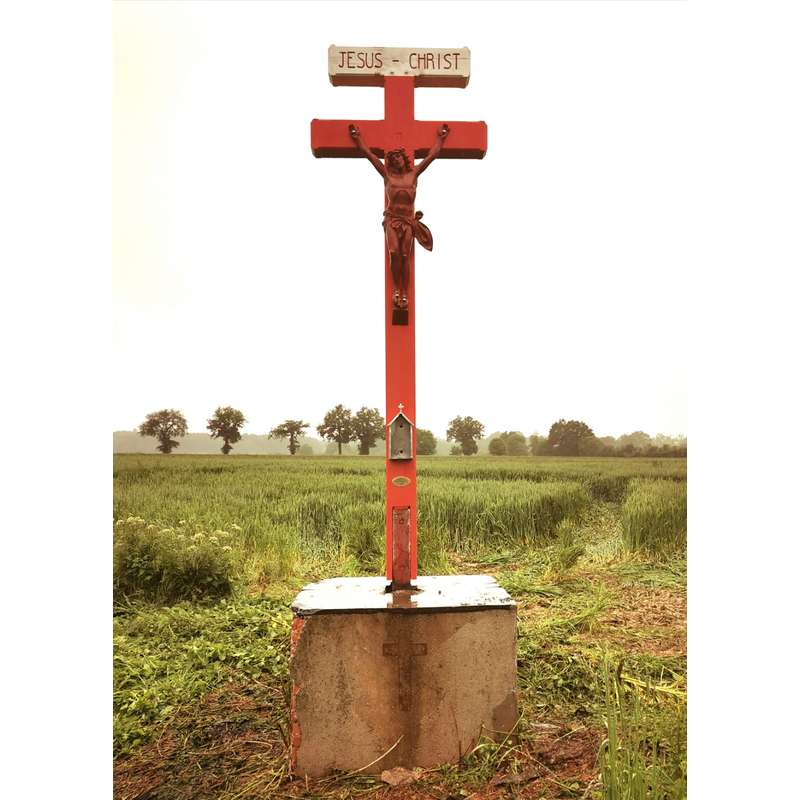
column 418, row 229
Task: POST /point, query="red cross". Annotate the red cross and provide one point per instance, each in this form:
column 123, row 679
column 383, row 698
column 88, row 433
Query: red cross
column 398, row 128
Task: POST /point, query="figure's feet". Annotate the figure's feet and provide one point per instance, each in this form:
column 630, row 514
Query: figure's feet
column 396, row 299
column 403, row 302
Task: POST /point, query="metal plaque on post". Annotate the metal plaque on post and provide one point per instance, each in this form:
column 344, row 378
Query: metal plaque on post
column 400, row 438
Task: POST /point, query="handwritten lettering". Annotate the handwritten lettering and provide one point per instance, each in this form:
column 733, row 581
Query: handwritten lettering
column 399, row 61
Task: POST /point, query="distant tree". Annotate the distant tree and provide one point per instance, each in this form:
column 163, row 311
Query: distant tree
column 638, row 440
column 164, row 425
column 426, row 442
column 291, row 429
column 515, row 443
column 567, row 437
column 537, row 445
column 337, row 426
column 368, row 427
column 306, row 450
column 497, row 446
column 225, row 425
column 456, row 450
column 465, row 430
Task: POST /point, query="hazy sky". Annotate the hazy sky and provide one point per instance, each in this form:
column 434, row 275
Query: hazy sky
column 247, row 272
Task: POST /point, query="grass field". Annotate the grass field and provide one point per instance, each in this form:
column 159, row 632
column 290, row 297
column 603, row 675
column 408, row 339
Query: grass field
column 210, row 550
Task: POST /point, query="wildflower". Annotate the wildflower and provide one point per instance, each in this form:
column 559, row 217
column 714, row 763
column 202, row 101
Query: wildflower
column 213, row 539
column 227, row 548
column 181, row 522
column 236, row 528
column 198, row 535
column 192, row 547
column 131, row 520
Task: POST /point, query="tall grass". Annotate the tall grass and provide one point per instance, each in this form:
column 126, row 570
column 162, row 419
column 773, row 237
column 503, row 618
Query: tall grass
column 654, row 516
column 636, row 758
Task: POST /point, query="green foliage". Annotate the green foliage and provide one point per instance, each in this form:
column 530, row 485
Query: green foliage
column 537, row 523
column 509, row 443
column 165, row 657
column 571, row 438
column 337, row 426
column 644, row 754
column 465, row 430
column 537, row 445
column 168, row 564
column 291, row 429
column 654, row 516
column 368, row 427
column 426, row 442
column 225, row 425
column 362, row 534
column 497, row 447
column 164, row 425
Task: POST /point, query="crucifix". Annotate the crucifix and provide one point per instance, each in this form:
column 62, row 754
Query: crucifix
column 399, row 139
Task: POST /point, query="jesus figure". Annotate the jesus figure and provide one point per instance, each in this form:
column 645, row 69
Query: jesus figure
column 400, row 222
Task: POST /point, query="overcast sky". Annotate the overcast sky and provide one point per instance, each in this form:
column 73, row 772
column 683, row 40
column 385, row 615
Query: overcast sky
column 248, row 273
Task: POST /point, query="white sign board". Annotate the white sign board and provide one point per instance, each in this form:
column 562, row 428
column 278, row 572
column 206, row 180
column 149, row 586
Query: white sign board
column 367, row 66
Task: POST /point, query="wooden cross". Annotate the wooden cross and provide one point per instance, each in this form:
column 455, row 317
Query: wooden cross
column 398, row 72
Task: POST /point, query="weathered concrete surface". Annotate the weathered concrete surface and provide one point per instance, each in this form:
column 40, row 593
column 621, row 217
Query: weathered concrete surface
column 433, row 678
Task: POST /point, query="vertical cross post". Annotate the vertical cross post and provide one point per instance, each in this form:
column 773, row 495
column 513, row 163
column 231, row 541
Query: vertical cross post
column 401, row 387
column 398, row 129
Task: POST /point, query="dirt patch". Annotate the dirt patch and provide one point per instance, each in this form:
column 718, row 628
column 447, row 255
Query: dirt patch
column 226, row 742
column 646, row 620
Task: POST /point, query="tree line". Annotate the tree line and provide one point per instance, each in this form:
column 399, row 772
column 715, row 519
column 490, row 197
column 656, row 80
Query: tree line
column 366, row 426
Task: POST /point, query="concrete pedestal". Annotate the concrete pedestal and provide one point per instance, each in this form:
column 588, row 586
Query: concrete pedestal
column 410, row 678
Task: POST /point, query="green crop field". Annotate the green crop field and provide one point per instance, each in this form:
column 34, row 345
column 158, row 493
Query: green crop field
column 209, row 551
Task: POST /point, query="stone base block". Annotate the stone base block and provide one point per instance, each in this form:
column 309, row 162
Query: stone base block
column 409, row 678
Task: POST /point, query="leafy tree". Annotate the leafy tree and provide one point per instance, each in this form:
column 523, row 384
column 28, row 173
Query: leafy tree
column 426, row 442
column 465, row 431
column 515, row 443
column 337, row 426
column 291, row 429
column 456, row 450
column 537, row 445
column 225, row 425
column 368, row 427
column 164, row 425
column 638, row 440
column 569, row 438
column 497, row 446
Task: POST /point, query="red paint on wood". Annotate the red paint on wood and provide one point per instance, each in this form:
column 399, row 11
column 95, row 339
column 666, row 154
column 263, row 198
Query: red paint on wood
column 399, row 129
column 401, row 547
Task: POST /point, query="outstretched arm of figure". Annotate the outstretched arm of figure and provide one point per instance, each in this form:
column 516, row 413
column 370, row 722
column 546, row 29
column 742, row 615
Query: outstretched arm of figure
column 441, row 135
column 355, row 134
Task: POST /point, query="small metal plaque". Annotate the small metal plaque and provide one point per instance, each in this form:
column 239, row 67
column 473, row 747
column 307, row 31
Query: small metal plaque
column 401, row 480
column 430, row 66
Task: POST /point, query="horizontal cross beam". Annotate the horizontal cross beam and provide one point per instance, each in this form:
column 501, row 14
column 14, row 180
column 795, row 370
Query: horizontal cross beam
column 330, row 138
